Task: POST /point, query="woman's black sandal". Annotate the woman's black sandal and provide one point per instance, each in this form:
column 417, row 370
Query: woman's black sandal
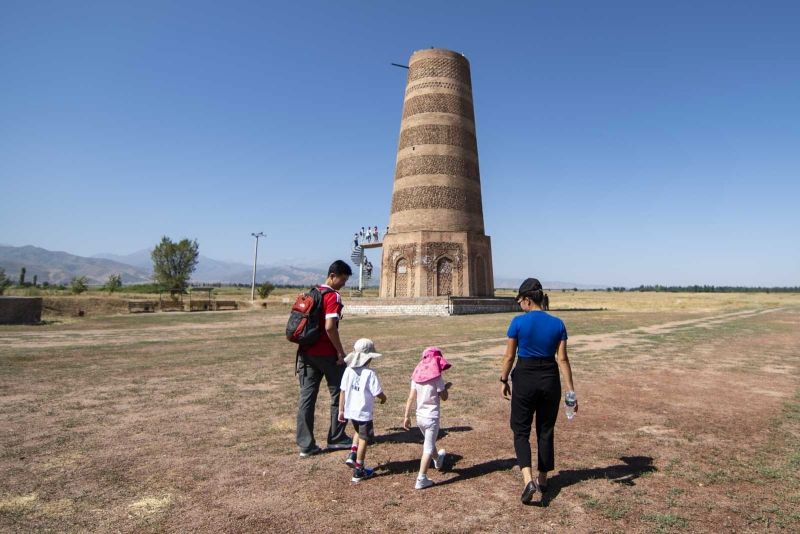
column 528, row 492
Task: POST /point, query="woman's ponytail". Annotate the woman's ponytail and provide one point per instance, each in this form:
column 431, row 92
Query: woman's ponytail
column 537, row 296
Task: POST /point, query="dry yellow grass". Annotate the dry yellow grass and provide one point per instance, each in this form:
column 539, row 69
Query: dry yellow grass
column 150, row 505
column 17, row 502
column 633, row 301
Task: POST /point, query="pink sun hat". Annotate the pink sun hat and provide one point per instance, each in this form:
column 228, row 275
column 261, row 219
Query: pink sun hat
column 430, row 366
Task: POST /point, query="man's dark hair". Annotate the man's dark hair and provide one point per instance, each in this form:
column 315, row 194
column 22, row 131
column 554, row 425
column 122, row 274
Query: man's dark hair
column 340, row 268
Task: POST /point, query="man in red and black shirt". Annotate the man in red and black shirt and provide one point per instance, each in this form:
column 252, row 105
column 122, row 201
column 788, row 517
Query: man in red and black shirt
column 323, row 358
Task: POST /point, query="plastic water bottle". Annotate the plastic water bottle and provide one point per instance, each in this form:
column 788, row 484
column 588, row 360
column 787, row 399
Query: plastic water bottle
column 570, row 400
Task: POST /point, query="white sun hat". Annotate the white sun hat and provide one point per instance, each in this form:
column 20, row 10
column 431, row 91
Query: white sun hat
column 363, row 351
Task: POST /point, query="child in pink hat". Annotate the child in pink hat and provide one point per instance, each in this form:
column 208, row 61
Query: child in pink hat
column 428, row 386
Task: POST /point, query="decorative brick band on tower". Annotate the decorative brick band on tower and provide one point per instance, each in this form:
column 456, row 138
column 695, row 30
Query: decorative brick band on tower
column 436, row 243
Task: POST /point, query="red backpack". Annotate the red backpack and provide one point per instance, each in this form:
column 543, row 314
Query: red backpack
column 305, row 320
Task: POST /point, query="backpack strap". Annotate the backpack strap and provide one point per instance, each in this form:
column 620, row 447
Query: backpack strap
column 322, row 293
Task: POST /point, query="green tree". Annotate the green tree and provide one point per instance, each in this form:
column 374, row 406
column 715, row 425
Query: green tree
column 113, row 283
column 265, row 289
column 4, row 281
column 35, row 280
column 22, row 277
column 78, row 285
column 174, row 263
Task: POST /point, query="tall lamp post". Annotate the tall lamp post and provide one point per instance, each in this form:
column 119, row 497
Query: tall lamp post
column 255, row 259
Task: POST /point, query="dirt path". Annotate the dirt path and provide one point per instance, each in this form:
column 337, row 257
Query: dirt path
column 612, row 340
column 633, row 336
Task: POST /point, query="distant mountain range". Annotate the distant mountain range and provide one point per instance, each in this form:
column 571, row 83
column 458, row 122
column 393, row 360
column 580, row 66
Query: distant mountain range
column 210, row 270
column 60, row 267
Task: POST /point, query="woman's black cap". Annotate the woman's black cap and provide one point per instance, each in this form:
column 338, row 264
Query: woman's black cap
column 530, row 284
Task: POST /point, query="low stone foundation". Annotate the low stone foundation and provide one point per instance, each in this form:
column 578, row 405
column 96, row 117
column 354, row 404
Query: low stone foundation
column 20, row 310
column 474, row 305
column 430, row 306
column 433, row 306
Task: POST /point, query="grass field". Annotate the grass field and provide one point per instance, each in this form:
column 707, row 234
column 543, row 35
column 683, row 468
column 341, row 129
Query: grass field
column 689, row 421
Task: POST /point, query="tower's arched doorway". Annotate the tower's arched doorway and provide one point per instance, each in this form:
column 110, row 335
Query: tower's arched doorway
column 444, row 277
column 401, row 276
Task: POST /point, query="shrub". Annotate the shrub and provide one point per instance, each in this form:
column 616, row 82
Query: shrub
column 78, row 285
column 113, row 283
column 265, row 289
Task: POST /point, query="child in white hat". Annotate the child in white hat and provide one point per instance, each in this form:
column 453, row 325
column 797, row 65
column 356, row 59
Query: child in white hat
column 360, row 386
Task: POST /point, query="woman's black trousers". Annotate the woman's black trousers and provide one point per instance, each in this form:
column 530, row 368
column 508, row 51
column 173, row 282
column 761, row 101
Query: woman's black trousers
column 536, row 391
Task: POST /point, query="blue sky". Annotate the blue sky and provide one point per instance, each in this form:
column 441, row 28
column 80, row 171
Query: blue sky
column 620, row 142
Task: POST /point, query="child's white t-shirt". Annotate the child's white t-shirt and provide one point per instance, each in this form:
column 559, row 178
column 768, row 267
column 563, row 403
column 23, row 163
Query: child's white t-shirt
column 360, row 386
column 428, row 397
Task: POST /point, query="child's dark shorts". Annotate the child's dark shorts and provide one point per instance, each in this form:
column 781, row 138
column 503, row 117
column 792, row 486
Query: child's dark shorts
column 364, row 430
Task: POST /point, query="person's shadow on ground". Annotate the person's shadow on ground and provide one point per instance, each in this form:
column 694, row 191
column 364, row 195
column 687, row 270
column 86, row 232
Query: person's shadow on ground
column 413, row 435
column 450, row 466
column 631, row 468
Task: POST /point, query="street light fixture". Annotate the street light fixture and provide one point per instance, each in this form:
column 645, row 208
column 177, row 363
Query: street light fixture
column 255, row 259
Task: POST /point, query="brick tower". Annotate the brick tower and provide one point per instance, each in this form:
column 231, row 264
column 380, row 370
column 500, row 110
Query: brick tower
column 436, row 244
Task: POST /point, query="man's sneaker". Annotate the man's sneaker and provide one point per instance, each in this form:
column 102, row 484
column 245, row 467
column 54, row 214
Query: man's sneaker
column 351, row 459
column 310, row 452
column 362, row 473
column 423, row 482
column 340, row 446
column 438, row 462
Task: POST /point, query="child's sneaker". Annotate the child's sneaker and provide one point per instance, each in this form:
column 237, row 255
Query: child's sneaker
column 423, row 482
column 438, row 462
column 362, row 473
column 351, row 459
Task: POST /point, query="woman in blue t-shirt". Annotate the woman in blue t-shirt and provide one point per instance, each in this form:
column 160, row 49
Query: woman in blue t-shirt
column 539, row 341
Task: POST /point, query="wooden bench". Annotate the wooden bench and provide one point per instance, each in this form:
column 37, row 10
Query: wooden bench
column 171, row 305
column 141, row 306
column 226, row 305
column 201, row 305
